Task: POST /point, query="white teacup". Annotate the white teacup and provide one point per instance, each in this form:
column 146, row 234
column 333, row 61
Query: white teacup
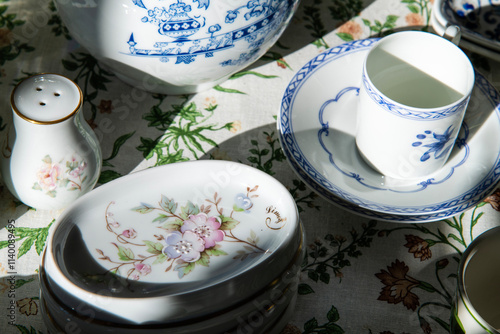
column 414, row 93
column 476, row 309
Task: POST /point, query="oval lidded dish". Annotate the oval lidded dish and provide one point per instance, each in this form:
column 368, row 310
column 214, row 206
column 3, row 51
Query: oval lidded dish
column 174, row 243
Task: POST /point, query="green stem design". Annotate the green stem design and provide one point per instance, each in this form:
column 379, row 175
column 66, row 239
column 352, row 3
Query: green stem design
column 183, row 126
column 58, row 28
column 312, row 16
column 338, row 259
column 379, row 28
column 13, row 49
column 420, row 7
column 31, row 236
column 93, row 75
column 263, row 159
column 333, row 316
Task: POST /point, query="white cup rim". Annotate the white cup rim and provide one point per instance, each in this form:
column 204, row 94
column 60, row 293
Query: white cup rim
column 438, row 112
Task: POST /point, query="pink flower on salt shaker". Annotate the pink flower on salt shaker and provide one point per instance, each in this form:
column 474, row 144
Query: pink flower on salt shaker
column 48, row 176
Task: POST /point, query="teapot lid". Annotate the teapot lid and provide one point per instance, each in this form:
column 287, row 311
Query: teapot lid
column 46, row 98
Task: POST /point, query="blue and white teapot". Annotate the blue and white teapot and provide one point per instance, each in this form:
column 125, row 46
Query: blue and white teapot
column 176, row 46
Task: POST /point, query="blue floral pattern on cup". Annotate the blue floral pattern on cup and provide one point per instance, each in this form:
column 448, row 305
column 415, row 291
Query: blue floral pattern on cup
column 437, row 144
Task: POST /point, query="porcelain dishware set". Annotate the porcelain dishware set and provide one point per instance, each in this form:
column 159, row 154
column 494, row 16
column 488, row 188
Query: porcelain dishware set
column 216, row 246
column 206, row 247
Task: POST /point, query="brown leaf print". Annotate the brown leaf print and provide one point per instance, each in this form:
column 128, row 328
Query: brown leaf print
column 105, row 107
column 426, row 327
column 27, row 306
column 291, row 329
column 494, row 200
column 418, row 247
column 5, row 37
column 398, row 286
column 442, row 264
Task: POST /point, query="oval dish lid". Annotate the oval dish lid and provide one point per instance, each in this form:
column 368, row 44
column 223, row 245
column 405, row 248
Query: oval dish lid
column 175, row 229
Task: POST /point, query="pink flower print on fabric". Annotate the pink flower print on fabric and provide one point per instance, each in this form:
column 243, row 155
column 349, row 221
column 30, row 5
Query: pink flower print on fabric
column 207, row 228
column 187, row 246
column 48, row 176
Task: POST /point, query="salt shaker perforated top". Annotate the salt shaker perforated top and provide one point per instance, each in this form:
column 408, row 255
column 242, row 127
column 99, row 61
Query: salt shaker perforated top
column 50, row 155
column 48, row 98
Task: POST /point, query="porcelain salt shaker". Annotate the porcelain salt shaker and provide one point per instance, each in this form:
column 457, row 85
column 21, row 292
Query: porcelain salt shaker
column 50, row 155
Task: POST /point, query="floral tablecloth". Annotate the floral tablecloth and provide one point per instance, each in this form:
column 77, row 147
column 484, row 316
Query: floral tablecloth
column 359, row 275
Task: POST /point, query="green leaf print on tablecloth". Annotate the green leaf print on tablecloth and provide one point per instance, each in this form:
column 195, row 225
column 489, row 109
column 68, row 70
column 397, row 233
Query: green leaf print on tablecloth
column 330, row 327
column 58, row 28
column 10, row 47
column 185, row 127
column 116, row 148
column 333, row 254
column 263, row 158
column 22, row 329
column 314, row 23
column 91, row 77
column 245, row 73
column 31, row 236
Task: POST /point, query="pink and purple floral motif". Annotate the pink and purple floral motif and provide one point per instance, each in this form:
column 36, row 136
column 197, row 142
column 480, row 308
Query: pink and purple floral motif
column 53, row 176
column 188, row 237
column 187, row 246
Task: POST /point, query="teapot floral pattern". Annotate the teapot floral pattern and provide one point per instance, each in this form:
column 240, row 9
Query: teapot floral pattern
column 183, row 32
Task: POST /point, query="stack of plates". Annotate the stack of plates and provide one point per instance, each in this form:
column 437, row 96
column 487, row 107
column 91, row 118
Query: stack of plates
column 477, row 35
column 317, row 123
column 194, row 247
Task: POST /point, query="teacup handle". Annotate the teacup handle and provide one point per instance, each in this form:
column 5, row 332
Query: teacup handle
column 453, row 34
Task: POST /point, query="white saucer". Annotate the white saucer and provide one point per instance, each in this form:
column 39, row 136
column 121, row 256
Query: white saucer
column 317, row 127
column 443, row 16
